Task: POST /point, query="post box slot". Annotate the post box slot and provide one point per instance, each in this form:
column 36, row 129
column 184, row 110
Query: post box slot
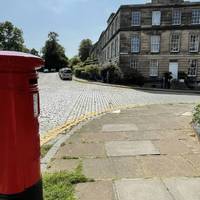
column 33, row 81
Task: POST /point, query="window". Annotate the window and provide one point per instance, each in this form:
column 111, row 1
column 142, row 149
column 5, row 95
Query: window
column 175, row 42
column 153, row 68
column 196, row 16
column 193, row 65
column 136, row 18
column 133, row 63
column 176, row 17
column 116, row 24
column 108, row 53
column 194, row 43
column 156, row 18
column 116, row 46
column 155, row 44
column 135, row 44
column 112, row 30
column 112, row 50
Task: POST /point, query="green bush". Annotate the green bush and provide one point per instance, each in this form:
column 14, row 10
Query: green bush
column 78, row 71
column 111, row 74
column 196, row 116
column 92, row 71
column 134, row 77
column 182, row 75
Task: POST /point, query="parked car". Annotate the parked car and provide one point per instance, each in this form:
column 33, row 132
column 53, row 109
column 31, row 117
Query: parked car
column 45, row 70
column 65, row 74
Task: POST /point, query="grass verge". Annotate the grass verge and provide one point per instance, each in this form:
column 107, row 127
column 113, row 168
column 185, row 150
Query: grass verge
column 45, row 149
column 196, row 115
column 61, row 185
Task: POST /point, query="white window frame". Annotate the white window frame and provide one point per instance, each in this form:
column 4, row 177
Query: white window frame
column 156, row 18
column 193, row 43
column 133, row 63
column 193, row 68
column 135, row 44
column 136, row 18
column 175, row 42
column 153, row 69
column 155, row 43
column 176, row 17
column 196, row 16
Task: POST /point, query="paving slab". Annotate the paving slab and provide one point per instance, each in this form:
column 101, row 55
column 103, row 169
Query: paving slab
column 141, row 189
column 184, row 188
column 167, row 166
column 172, row 147
column 81, row 150
column 99, row 169
column 127, row 167
column 100, row 190
column 130, row 148
column 63, row 165
column 119, row 127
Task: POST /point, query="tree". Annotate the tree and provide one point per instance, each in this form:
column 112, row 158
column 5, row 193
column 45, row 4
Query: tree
column 34, row 52
column 11, row 37
column 54, row 53
column 74, row 61
column 84, row 49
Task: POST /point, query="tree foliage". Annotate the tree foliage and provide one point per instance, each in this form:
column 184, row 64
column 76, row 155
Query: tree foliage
column 84, row 49
column 34, row 52
column 74, row 61
column 11, row 37
column 54, row 53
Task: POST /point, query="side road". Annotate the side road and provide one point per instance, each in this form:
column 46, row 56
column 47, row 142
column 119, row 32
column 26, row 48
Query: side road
column 145, row 153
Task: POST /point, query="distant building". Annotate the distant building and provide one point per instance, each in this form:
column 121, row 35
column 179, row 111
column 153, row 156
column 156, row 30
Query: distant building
column 153, row 38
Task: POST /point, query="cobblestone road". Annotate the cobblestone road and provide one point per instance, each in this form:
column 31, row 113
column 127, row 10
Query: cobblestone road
column 65, row 100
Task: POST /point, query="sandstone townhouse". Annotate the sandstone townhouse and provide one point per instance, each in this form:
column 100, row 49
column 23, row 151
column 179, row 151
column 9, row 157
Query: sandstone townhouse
column 154, row 38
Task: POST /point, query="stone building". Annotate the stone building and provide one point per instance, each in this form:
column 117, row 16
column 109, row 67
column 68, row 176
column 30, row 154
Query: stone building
column 154, row 38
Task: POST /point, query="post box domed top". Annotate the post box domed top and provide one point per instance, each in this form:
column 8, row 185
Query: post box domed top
column 17, row 61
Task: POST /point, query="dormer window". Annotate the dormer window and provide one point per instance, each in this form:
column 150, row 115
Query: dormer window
column 156, row 18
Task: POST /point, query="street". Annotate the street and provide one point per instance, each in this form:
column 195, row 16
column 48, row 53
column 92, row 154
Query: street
column 65, row 100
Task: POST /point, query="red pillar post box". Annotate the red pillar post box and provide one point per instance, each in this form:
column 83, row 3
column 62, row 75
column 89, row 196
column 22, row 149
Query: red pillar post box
column 20, row 175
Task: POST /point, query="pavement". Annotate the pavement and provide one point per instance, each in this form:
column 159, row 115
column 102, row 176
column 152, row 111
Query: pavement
column 146, row 153
column 63, row 102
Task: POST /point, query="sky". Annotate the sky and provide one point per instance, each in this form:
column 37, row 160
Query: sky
column 73, row 20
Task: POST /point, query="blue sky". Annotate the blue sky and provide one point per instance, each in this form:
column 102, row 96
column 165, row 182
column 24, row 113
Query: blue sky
column 73, row 20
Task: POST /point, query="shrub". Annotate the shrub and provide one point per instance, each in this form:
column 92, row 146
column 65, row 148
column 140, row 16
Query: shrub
column 134, row 77
column 93, row 72
column 182, row 75
column 111, row 74
column 78, row 71
column 196, row 116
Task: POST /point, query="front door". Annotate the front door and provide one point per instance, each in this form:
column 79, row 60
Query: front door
column 173, row 68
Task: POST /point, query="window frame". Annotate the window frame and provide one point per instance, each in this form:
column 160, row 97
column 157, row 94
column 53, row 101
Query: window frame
column 177, row 42
column 137, row 15
column 135, row 44
column 155, row 44
column 151, row 68
column 134, row 63
column 190, row 68
column 191, row 43
column 176, row 17
column 195, row 17
column 154, row 15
